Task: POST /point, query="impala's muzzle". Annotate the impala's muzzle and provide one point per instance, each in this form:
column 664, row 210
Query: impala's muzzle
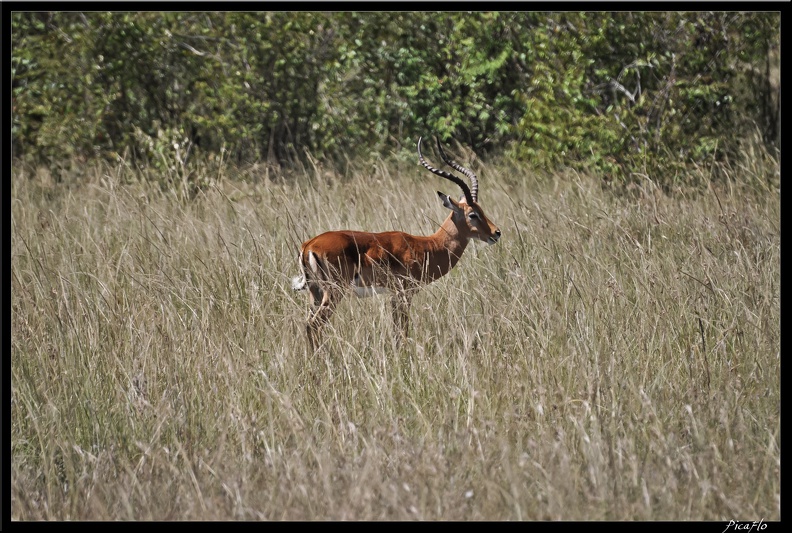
column 495, row 237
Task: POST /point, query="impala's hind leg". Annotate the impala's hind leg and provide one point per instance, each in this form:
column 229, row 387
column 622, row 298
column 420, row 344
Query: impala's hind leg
column 324, row 296
column 324, row 299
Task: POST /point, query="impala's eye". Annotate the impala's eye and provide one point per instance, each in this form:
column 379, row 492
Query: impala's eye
column 473, row 216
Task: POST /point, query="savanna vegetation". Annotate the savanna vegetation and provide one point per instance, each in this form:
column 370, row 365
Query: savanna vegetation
column 620, row 92
column 615, row 356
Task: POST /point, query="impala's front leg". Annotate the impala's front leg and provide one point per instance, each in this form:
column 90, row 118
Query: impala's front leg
column 401, row 313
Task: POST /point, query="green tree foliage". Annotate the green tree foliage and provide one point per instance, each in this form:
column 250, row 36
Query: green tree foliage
column 621, row 93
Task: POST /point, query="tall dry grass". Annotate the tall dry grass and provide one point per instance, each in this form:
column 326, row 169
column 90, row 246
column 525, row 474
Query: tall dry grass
column 614, row 357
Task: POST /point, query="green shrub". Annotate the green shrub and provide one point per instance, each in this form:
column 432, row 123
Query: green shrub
column 624, row 94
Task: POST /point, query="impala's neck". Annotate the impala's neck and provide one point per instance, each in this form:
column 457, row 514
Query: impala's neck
column 450, row 240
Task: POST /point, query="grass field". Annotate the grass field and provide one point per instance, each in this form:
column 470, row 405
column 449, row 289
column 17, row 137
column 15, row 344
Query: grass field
column 613, row 357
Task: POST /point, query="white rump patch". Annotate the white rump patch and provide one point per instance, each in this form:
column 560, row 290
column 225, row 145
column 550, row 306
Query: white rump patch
column 313, row 263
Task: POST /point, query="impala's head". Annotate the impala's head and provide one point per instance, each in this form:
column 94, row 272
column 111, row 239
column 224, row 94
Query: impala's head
column 471, row 219
column 467, row 214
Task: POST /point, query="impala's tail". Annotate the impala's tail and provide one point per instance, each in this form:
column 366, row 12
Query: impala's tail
column 311, row 270
column 298, row 283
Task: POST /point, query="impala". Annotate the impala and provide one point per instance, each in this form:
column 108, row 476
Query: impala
column 338, row 262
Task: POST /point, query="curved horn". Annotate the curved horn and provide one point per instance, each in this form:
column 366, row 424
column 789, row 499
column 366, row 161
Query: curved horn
column 466, row 171
column 446, row 175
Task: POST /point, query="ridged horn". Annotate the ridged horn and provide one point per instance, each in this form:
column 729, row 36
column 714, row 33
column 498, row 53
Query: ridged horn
column 447, row 175
column 466, row 171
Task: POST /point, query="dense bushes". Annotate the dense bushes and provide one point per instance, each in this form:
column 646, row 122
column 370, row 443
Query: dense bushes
column 620, row 92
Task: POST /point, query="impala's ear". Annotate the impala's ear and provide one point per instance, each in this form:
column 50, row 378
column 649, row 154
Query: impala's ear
column 449, row 202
